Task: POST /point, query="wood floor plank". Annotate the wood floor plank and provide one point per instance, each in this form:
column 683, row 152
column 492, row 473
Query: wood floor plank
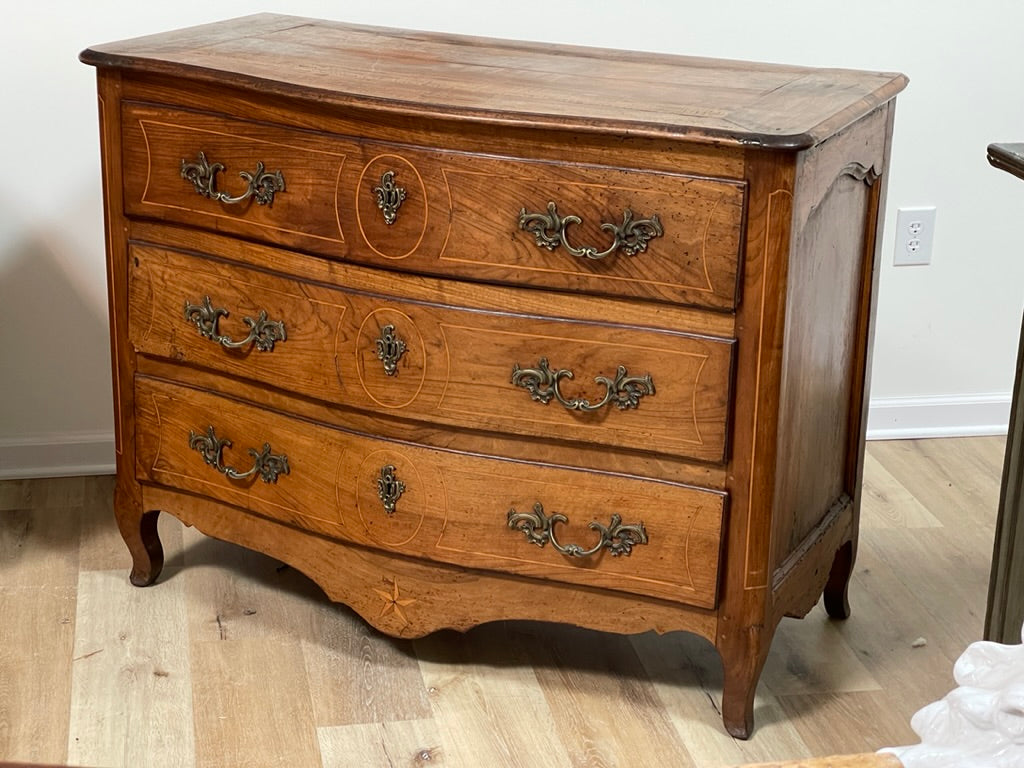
column 251, row 705
column 131, row 701
column 955, row 484
column 15, row 494
column 887, row 619
column 357, row 675
column 687, row 675
column 396, row 744
column 809, row 655
column 57, row 492
column 37, row 631
column 886, row 503
column 143, row 676
column 854, row 726
column 39, row 547
column 486, row 700
column 948, row 579
column 604, row 707
column 235, row 593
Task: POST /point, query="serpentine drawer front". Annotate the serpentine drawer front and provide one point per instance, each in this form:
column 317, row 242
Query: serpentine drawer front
column 437, row 363
column 604, row 230
column 496, row 330
column 441, row 506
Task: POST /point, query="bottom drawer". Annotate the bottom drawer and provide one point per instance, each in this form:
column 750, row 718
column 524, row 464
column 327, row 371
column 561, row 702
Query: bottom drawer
column 597, row 529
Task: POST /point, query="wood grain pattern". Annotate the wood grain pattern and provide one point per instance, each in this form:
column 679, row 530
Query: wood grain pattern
column 369, row 693
column 131, row 700
column 816, row 382
column 442, row 514
column 653, row 153
column 602, row 720
column 392, row 427
column 410, row 743
column 460, row 213
column 505, row 82
column 496, row 723
column 567, row 305
column 425, row 599
column 443, row 376
column 157, row 142
column 232, row 725
column 756, row 223
column 37, row 634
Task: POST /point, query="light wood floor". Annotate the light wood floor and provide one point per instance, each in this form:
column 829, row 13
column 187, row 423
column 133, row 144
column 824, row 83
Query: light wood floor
column 232, row 660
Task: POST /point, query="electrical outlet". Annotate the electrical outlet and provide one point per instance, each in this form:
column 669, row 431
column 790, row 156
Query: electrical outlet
column 915, row 232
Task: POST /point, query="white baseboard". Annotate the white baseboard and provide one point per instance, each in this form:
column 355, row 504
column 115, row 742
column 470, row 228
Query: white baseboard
column 57, row 455
column 903, row 418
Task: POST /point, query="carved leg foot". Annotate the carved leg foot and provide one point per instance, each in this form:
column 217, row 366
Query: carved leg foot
column 837, row 603
column 138, row 529
column 738, row 706
column 742, row 662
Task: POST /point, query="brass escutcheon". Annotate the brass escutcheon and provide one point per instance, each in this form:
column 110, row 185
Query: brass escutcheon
column 389, row 488
column 389, row 197
column 390, row 349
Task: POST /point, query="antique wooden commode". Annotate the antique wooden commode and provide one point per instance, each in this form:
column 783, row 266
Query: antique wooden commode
column 471, row 330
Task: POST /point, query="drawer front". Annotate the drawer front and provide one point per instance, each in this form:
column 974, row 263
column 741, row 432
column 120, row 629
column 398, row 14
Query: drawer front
column 467, row 510
column 642, row 389
column 601, row 230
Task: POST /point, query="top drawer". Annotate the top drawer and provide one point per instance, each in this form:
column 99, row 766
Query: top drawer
column 593, row 229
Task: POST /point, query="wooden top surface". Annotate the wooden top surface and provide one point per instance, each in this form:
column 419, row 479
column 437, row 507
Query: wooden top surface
column 507, row 82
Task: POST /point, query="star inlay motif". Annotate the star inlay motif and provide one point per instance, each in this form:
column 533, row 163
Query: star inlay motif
column 393, row 602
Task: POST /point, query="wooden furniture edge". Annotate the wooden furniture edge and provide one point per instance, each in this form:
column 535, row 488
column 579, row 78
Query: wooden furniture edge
column 106, row 57
column 468, row 595
column 1005, row 607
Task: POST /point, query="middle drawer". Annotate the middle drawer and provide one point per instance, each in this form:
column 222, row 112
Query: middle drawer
column 652, row 390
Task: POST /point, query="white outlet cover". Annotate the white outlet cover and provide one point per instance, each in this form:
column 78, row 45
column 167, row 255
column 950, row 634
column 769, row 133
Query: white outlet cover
column 915, row 234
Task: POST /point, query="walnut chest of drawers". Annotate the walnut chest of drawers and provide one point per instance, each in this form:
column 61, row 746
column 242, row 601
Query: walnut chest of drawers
column 470, row 330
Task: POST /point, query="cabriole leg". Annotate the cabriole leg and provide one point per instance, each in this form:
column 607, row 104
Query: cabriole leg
column 837, row 603
column 743, row 658
column 139, row 531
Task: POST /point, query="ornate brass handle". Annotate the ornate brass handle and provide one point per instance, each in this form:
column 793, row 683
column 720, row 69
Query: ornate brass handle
column 265, row 464
column 542, row 383
column 539, row 528
column 262, row 331
column 262, row 184
column 549, row 230
column 389, row 488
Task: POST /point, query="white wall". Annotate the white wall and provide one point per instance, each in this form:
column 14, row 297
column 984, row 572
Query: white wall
column 947, row 333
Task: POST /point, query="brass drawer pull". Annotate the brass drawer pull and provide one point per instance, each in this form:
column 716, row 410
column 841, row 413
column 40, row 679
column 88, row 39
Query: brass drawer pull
column 617, row 538
column 542, row 384
column 389, row 488
column 266, row 464
column 389, row 197
column 262, row 331
column 549, row 229
column 262, row 184
column 390, row 349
